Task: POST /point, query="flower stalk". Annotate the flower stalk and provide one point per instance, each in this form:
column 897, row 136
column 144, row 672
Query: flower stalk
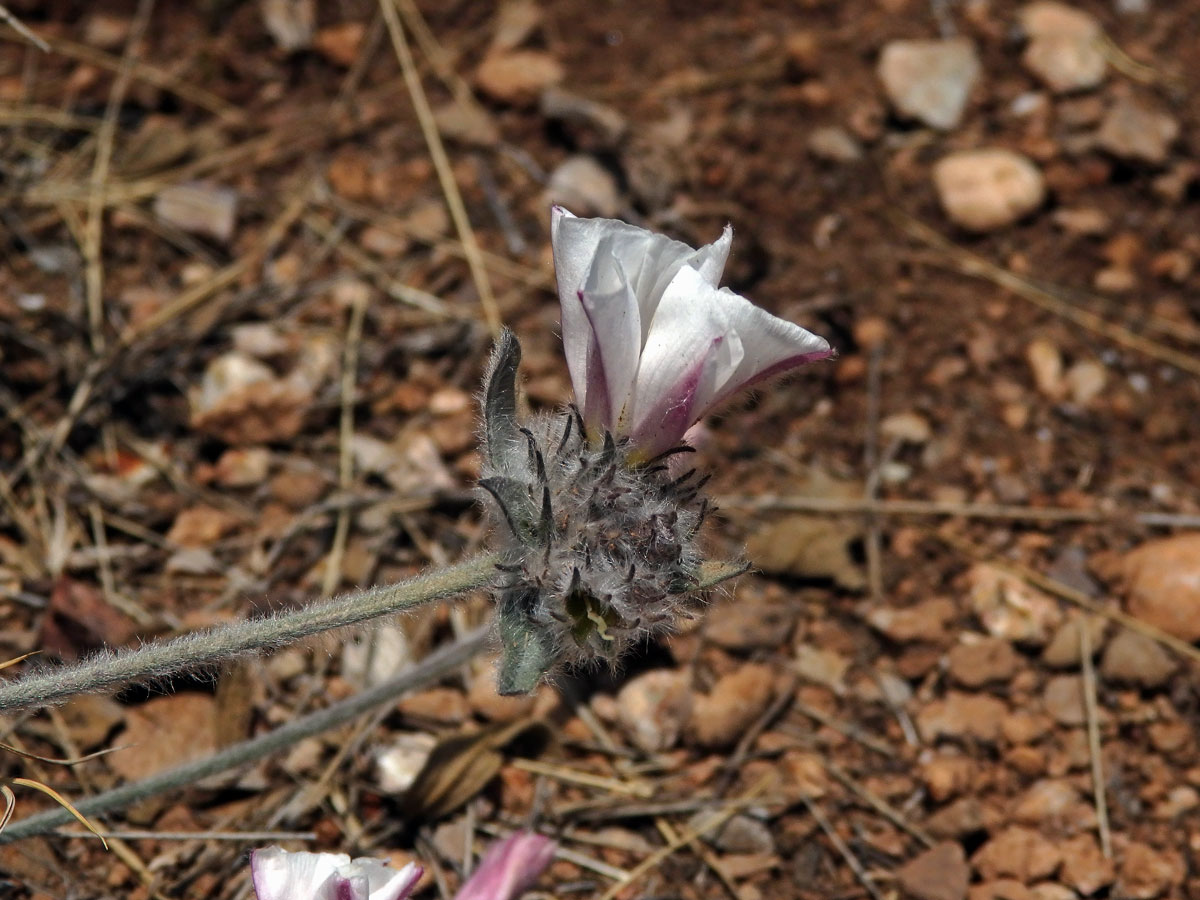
column 202, row 648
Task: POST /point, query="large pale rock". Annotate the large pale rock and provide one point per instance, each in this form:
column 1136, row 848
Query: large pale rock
column 1064, row 46
column 930, row 81
column 1163, row 584
column 986, row 189
column 1134, row 131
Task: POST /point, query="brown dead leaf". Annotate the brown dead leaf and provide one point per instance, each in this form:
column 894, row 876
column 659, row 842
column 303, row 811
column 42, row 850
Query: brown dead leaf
column 461, row 766
column 201, row 526
column 79, row 619
column 809, row 547
column 165, row 732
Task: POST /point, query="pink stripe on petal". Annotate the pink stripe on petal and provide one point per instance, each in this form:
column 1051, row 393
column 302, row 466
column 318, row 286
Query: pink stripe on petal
column 665, row 423
column 779, row 368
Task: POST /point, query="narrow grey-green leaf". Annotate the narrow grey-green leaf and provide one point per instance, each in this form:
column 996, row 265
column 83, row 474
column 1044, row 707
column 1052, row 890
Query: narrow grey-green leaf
column 524, row 517
column 505, row 445
column 526, row 652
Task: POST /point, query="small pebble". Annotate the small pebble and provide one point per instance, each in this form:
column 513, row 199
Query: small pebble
column 654, row 707
column 1062, row 699
column 940, row 873
column 833, row 143
column 1163, row 584
column 1133, row 131
column 977, row 663
column 930, row 80
column 585, row 187
column 518, row 77
column 1064, row 46
column 1084, row 867
column 987, row 189
column 1134, row 658
column 736, row 701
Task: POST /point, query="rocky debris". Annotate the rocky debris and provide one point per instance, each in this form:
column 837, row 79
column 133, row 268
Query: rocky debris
column 1049, row 801
column 1017, row 852
column 809, row 547
column 962, row 715
column 1133, row 658
column 736, row 701
column 925, row 621
column 1084, row 867
column 1063, row 651
column 962, row 817
column 1062, row 699
column 976, row 663
column 585, row 187
column 741, row 834
column 948, row 775
column 654, row 707
column 832, row 143
column 940, row 873
column 518, row 77
column 1135, row 132
column 1046, row 364
column 1162, row 579
column 290, row 22
column 911, row 427
column 1025, row 727
column 437, row 704
column 199, row 207
column 398, row 763
column 1085, row 381
column 1086, row 221
column 930, row 80
column 823, row 666
column 241, row 401
column 1064, row 46
column 749, row 621
column 341, row 44
column 1009, row 608
column 1004, row 889
column 989, row 188
column 1147, row 873
column 412, row 465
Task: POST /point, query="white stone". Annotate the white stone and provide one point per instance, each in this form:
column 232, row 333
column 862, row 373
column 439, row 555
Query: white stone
column 1064, row 46
column 930, row 80
column 986, row 189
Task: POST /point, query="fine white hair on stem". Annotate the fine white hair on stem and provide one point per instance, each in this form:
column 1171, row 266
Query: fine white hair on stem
column 54, row 684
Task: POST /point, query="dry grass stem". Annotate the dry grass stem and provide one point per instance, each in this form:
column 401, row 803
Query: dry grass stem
column 441, row 163
column 1092, row 709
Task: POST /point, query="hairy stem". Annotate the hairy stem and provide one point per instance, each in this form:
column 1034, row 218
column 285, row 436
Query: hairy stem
column 200, row 648
column 433, row 667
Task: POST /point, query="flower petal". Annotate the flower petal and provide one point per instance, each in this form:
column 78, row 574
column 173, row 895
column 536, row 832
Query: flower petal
column 704, row 345
column 710, row 259
column 649, row 260
column 615, row 318
column 280, row 875
column 509, row 868
column 772, row 346
column 384, row 882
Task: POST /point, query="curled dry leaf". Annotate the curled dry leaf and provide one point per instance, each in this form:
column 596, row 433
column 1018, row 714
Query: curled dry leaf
column 461, row 765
